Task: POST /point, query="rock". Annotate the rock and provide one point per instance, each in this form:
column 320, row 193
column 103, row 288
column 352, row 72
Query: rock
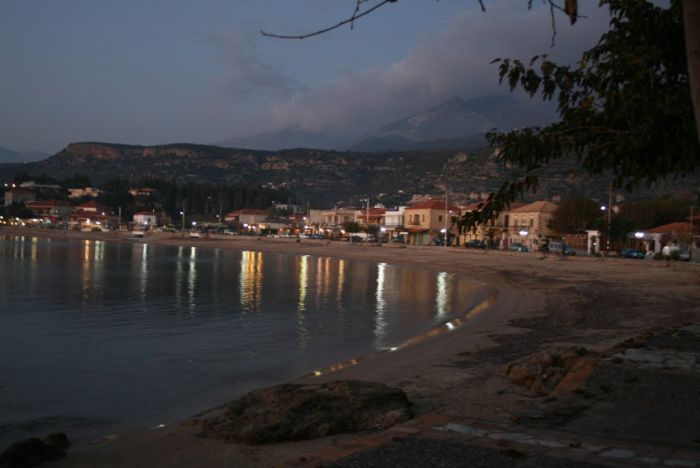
column 298, row 411
column 34, row 451
column 541, row 372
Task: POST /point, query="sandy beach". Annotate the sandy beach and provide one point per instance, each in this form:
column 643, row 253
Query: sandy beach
column 455, row 374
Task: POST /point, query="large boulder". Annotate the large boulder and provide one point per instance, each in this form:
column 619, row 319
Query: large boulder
column 307, row 411
column 542, row 371
column 34, row 451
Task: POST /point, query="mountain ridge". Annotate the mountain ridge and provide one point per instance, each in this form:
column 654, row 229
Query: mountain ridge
column 321, row 177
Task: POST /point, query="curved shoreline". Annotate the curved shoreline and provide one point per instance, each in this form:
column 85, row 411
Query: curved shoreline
column 591, row 302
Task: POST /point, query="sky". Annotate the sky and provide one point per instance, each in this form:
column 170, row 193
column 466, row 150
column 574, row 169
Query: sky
column 166, row 71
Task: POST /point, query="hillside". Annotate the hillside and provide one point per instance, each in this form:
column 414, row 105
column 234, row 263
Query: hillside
column 321, row 177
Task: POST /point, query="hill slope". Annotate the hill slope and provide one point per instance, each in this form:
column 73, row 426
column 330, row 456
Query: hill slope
column 321, row 177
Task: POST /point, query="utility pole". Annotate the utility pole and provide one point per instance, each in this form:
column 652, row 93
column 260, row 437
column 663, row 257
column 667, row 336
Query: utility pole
column 446, row 238
column 607, row 248
column 692, row 231
column 221, row 207
column 367, row 219
column 184, row 204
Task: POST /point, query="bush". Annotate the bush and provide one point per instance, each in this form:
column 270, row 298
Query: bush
column 658, row 256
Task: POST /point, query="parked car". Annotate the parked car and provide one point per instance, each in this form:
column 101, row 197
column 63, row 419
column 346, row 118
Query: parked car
column 631, row 253
column 195, row 234
column 356, row 239
column 684, row 256
column 562, row 248
column 440, row 241
column 475, row 244
column 517, row 247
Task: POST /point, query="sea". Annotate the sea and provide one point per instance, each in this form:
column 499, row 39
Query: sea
column 98, row 338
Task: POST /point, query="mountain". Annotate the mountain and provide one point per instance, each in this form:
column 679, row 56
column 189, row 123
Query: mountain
column 8, row 156
column 454, row 124
column 321, row 177
column 289, row 137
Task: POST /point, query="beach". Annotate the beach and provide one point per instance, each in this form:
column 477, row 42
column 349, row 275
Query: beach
column 454, row 374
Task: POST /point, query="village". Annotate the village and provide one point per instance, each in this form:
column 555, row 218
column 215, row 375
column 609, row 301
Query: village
column 428, row 220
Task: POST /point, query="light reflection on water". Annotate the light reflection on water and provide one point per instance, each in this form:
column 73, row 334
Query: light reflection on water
column 98, row 337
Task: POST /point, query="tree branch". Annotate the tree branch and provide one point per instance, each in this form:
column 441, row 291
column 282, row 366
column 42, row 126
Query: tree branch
column 355, row 16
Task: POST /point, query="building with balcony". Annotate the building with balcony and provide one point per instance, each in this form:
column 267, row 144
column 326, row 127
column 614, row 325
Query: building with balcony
column 432, row 218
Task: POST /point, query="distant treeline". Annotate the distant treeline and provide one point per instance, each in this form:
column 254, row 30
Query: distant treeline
column 197, row 199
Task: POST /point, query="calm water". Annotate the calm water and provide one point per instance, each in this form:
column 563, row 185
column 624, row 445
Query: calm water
column 100, row 337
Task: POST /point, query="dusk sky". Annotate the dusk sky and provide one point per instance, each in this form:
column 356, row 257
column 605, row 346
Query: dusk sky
column 165, row 71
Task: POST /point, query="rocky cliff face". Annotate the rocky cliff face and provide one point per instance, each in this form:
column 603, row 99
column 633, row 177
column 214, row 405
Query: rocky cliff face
column 322, row 177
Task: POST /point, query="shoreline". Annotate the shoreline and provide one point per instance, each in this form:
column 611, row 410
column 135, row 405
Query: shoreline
column 602, row 301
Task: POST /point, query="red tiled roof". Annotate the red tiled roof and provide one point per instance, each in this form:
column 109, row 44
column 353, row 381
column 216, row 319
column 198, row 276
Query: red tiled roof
column 433, row 205
column 671, row 228
column 247, row 211
column 542, row 206
column 93, row 204
column 46, row 204
column 373, row 212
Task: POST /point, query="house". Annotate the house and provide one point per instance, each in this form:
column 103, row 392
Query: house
column 51, row 211
column 92, row 213
column 19, row 195
column 430, row 219
column 84, row 192
column 394, row 222
column 681, row 235
column 32, row 185
column 247, row 216
column 142, row 193
column 494, row 232
column 529, row 224
column 371, row 217
column 93, row 206
column 146, row 219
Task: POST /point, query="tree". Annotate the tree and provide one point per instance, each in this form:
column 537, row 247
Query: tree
column 574, row 215
column 352, row 227
column 625, row 108
column 656, row 212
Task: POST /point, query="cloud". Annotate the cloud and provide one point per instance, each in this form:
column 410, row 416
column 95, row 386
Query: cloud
column 246, row 74
column 452, row 62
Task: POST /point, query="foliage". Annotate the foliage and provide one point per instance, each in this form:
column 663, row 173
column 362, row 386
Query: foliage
column 352, row 227
column 625, row 108
column 574, row 215
column 656, row 212
column 372, row 229
column 197, row 199
column 18, row 210
column 77, row 181
column 620, row 227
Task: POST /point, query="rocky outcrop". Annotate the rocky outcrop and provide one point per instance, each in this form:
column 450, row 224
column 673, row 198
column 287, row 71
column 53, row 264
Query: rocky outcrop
column 297, row 411
column 33, row 452
column 541, row 372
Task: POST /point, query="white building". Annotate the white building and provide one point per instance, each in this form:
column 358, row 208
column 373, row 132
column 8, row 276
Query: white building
column 145, row 218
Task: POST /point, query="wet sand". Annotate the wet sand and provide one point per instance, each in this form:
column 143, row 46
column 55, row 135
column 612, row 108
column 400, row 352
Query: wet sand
column 539, row 301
